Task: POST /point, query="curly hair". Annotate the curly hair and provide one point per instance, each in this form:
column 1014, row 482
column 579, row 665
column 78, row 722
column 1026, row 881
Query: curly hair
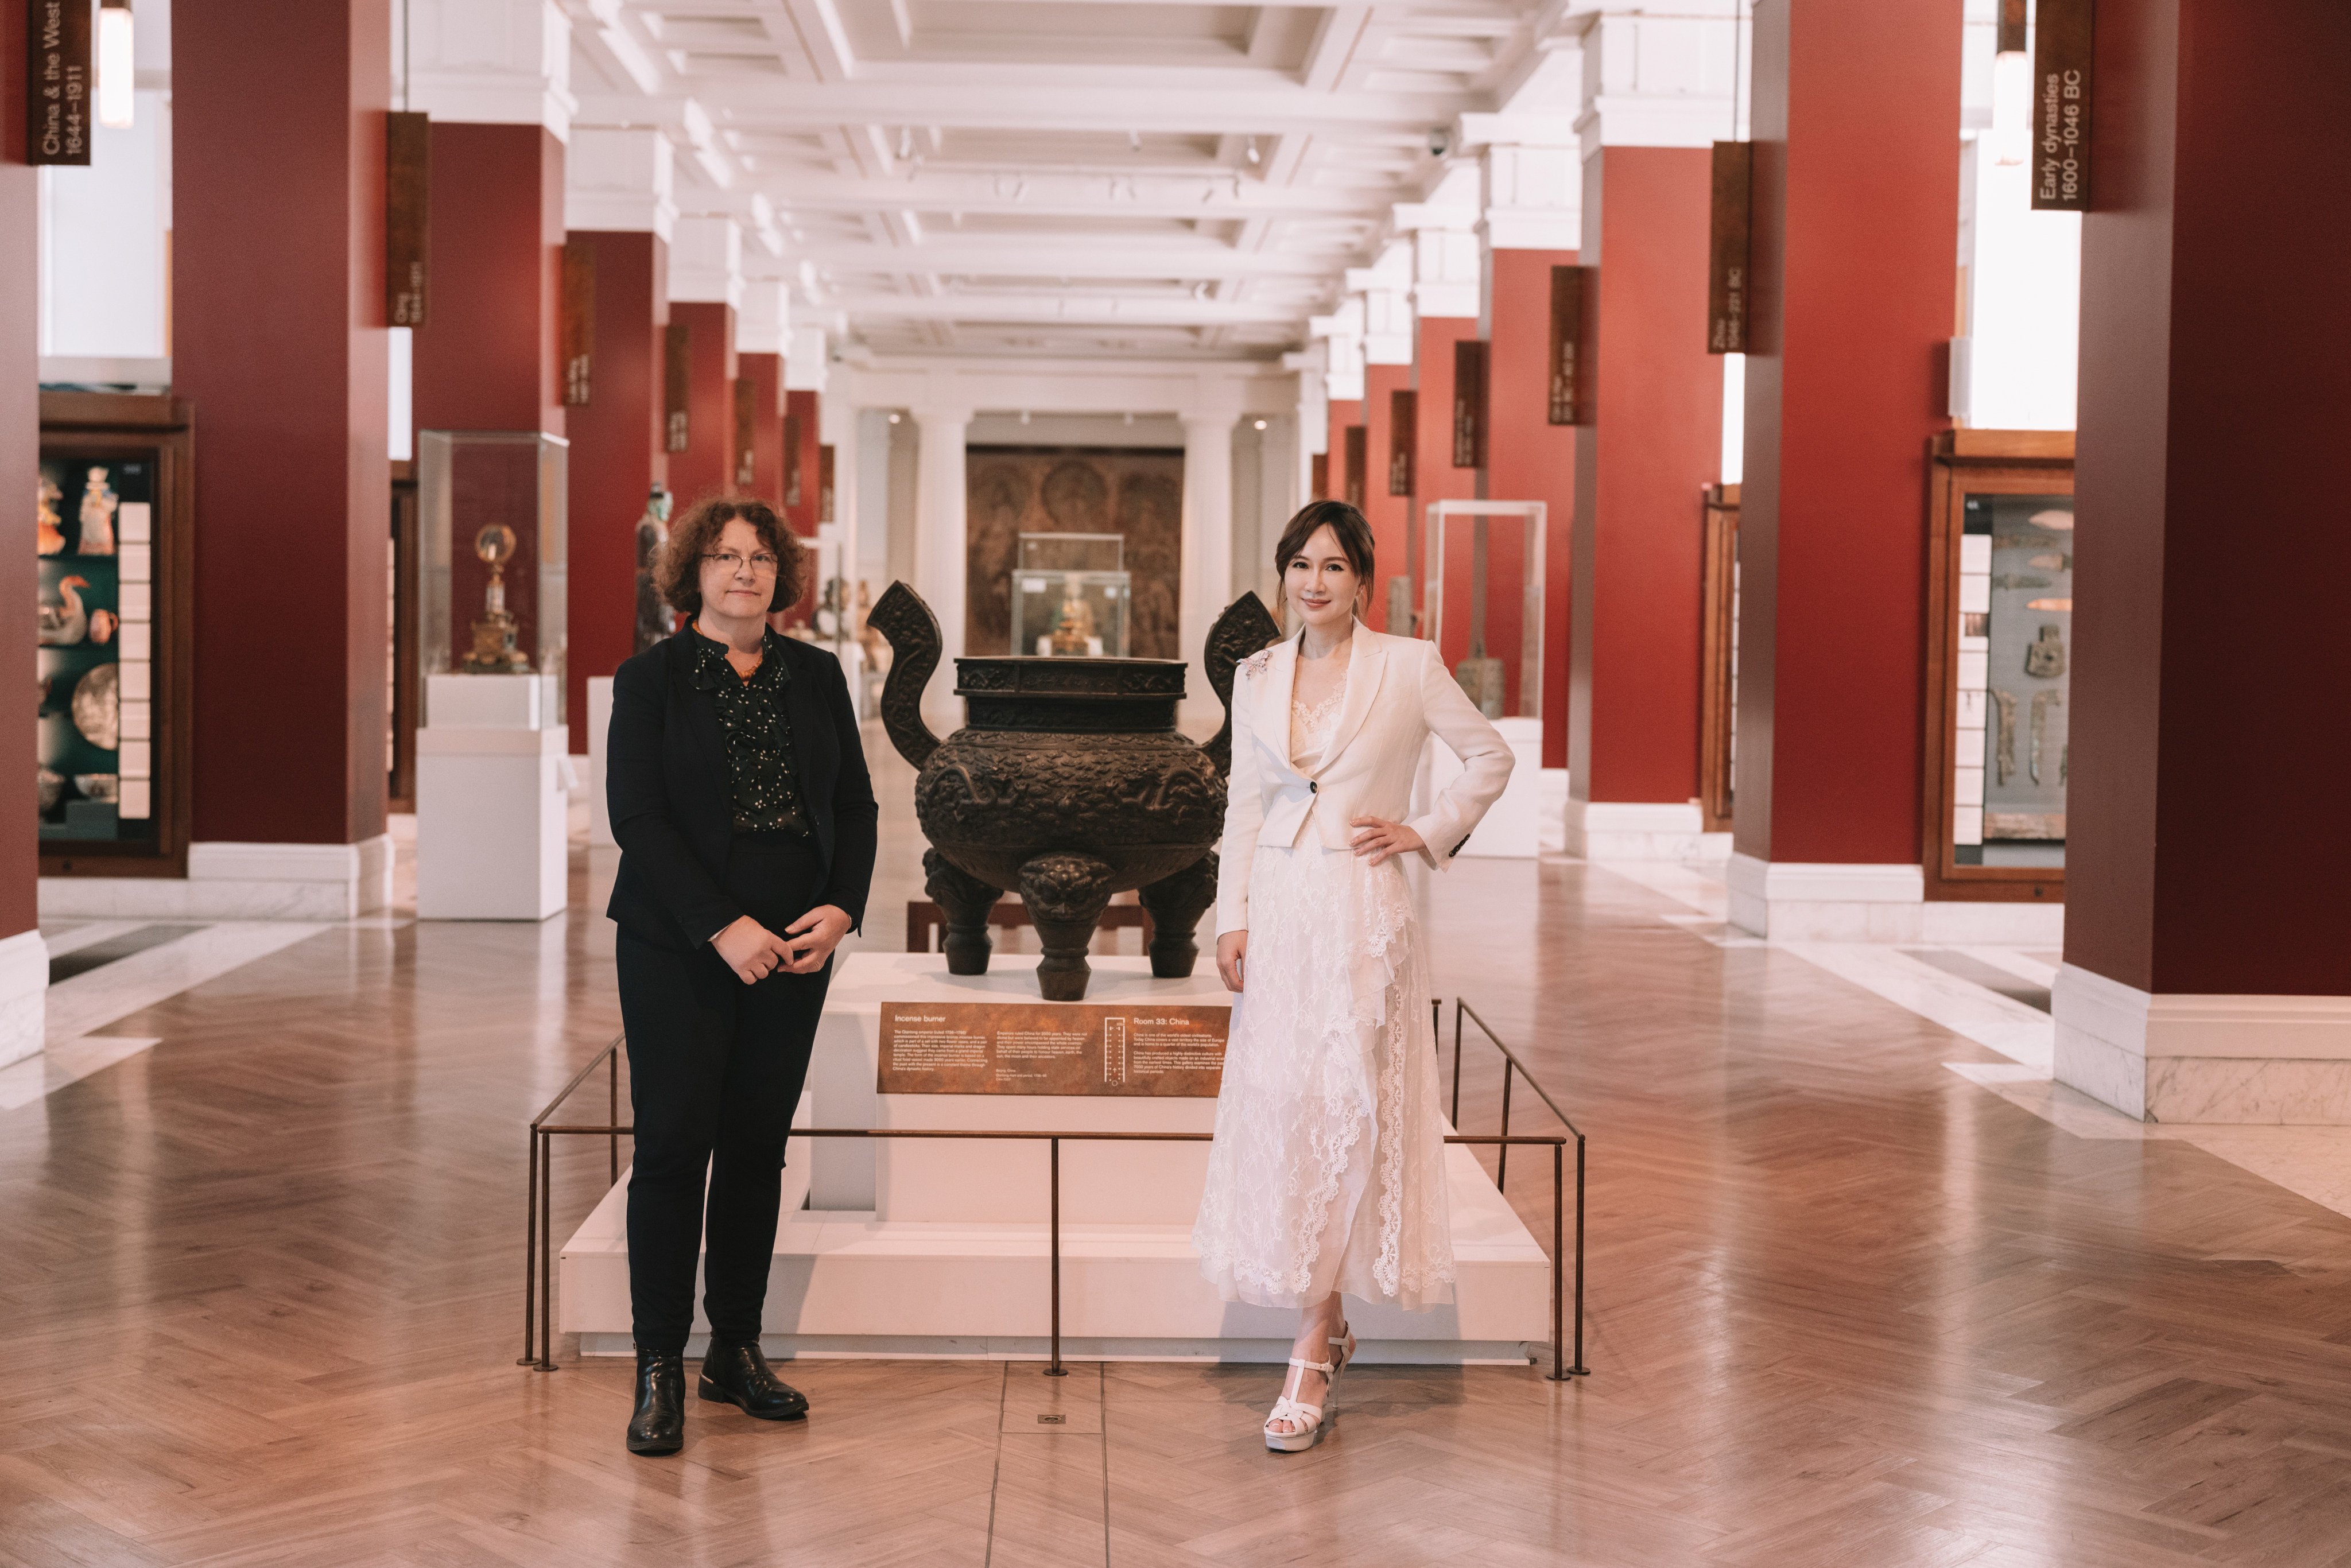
column 677, row 570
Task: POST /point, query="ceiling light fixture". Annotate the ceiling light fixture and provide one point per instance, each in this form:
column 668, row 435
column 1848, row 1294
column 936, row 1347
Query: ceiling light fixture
column 905, row 141
column 1260, row 424
column 1135, row 141
column 116, row 73
column 1249, row 149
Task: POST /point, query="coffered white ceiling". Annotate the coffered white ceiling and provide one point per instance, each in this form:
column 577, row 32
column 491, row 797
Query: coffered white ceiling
column 1113, row 177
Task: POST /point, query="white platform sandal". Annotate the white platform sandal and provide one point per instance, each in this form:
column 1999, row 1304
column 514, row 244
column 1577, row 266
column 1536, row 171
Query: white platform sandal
column 1307, row 1418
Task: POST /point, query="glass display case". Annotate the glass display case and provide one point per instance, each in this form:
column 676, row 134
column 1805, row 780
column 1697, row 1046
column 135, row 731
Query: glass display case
column 492, row 557
column 110, row 534
column 2001, row 600
column 1070, row 595
column 1482, row 601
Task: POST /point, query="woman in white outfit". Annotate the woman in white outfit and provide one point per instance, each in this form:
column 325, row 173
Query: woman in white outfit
column 1327, row 1171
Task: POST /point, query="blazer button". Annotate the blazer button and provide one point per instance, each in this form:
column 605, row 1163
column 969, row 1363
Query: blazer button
column 1312, row 787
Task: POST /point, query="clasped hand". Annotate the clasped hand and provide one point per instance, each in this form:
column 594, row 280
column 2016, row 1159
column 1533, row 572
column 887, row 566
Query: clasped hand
column 754, row 952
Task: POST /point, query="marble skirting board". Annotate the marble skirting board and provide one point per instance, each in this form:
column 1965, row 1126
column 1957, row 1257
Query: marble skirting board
column 2247, row 1060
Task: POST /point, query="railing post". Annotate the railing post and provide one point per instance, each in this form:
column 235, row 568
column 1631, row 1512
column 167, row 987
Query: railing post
column 1057, row 1369
column 1558, row 1263
column 530, row 1255
column 1579, row 1369
column 1502, row 1166
column 546, row 1253
column 1457, row 1006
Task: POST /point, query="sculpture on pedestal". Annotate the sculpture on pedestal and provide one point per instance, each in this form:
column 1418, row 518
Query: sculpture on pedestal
column 1070, row 783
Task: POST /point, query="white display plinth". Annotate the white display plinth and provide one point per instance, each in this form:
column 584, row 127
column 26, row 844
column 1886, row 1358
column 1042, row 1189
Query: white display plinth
column 1512, row 828
column 599, row 724
column 941, row 1248
column 492, row 813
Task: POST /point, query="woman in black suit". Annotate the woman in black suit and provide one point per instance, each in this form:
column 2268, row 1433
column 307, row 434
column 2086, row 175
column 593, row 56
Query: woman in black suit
column 746, row 821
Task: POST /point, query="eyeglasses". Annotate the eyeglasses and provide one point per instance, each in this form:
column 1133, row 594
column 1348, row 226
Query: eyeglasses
column 762, row 565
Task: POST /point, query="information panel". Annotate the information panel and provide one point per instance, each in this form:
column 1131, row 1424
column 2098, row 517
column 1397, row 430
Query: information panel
column 1053, row 1047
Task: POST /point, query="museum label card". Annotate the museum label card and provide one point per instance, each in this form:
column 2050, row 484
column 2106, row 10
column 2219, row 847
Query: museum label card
column 56, row 81
column 2060, row 107
column 1053, row 1047
column 1729, row 228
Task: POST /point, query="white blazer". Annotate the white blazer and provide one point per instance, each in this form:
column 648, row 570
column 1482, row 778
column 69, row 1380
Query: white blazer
column 1398, row 693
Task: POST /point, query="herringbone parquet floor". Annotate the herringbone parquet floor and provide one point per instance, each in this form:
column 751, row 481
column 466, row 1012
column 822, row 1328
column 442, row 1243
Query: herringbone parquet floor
column 259, row 1304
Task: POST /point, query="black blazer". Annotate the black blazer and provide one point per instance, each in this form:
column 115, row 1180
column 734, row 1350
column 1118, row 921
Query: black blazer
column 666, row 784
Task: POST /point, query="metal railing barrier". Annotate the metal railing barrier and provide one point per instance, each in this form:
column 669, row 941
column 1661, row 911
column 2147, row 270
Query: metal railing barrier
column 538, row 1248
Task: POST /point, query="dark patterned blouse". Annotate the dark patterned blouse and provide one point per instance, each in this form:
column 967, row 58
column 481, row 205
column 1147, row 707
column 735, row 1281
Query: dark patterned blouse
column 758, row 734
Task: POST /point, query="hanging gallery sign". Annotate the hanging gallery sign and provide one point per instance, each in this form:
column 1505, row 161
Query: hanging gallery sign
column 2012, row 28
column 1359, row 465
column 677, row 366
column 1470, row 383
column 577, row 335
column 1729, row 226
column 1403, row 426
column 824, row 484
column 57, row 82
column 1569, row 403
column 792, row 476
column 1320, row 475
column 407, row 216
column 1053, row 1047
column 2060, row 107
column 747, row 432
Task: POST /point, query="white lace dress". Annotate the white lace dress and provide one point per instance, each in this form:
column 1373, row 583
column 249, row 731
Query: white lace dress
column 1327, row 1170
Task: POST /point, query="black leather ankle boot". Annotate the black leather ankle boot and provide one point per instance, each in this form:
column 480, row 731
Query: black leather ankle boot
column 738, row 1374
column 659, row 1424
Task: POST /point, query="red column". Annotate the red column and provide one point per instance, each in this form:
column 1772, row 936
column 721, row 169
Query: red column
column 616, row 454
column 2208, row 842
column 279, row 342
column 1528, row 457
column 1390, row 516
column 1654, row 442
column 20, row 438
column 486, row 358
column 765, row 375
column 706, row 466
column 1855, row 214
column 801, row 504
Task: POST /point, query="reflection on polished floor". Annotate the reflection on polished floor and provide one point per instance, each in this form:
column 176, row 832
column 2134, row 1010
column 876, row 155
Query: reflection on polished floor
column 1866, row 1291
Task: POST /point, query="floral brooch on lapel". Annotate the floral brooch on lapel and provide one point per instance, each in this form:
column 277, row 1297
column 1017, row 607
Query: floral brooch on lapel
column 1255, row 665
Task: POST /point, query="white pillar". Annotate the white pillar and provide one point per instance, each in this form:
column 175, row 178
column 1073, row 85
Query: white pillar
column 941, row 548
column 1204, row 588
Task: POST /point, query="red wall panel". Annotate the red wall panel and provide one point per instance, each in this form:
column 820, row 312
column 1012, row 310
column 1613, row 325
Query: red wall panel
column 278, row 342
column 616, row 456
column 706, row 466
column 1528, row 457
column 1855, row 271
column 2208, row 841
column 1655, row 442
column 486, row 358
column 1389, row 515
column 20, row 435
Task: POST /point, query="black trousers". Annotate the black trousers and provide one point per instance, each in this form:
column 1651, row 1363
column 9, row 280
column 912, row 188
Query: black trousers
column 715, row 1068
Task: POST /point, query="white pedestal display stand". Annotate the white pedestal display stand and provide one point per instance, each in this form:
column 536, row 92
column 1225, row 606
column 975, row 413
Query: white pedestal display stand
column 940, row 1247
column 491, row 808
column 1512, row 828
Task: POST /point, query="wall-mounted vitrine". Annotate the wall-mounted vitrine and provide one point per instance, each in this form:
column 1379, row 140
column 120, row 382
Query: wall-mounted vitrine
column 1999, row 647
column 116, row 570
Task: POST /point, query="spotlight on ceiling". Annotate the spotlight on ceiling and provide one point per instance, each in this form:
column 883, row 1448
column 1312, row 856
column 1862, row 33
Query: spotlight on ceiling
column 1440, row 143
column 1248, row 150
column 1260, row 424
column 115, row 69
